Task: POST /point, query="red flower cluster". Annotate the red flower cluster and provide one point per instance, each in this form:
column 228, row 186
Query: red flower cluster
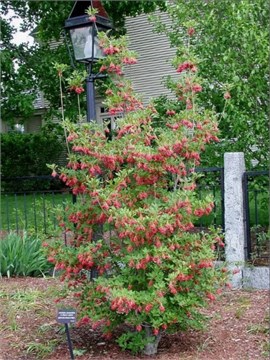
column 123, row 305
column 86, row 260
column 142, row 264
column 186, row 66
column 92, row 18
column 95, row 170
column 196, row 88
column 204, row 264
column 191, row 31
column 187, row 123
column 227, row 95
column 148, row 308
column 77, row 89
column 184, row 277
column 111, row 50
column 173, row 289
column 72, row 136
column 211, row 296
column 129, row 61
column 203, row 211
column 170, row 112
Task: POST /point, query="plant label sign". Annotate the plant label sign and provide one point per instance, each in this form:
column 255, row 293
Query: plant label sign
column 66, row 316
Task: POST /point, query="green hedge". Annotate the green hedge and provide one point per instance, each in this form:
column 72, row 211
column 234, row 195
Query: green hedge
column 28, row 154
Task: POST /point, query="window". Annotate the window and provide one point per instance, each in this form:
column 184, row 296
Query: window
column 30, row 126
column 109, row 121
column 19, row 128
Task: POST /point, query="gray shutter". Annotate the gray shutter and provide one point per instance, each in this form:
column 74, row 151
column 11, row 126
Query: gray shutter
column 33, row 124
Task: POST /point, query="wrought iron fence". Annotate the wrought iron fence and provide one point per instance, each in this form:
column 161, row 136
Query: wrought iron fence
column 256, row 205
column 31, row 210
column 34, row 210
column 211, row 183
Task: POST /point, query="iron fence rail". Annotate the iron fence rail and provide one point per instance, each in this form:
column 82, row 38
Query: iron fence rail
column 34, row 210
column 216, row 188
column 256, row 214
column 31, row 210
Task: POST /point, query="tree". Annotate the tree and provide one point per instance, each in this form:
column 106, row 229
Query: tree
column 18, row 85
column 154, row 272
column 232, row 40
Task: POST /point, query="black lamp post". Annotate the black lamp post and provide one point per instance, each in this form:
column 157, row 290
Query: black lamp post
column 83, row 33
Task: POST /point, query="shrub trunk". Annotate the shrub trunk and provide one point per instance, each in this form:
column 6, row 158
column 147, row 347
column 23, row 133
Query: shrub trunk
column 151, row 346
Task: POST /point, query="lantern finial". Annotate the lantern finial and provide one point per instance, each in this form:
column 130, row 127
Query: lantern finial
column 81, row 6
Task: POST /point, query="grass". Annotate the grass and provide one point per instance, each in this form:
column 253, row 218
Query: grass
column 261, row 328
column 41, row 350
column 258, row 207
column 18, row 302
column 24, row 299
column 259, row 202
column 266, row 349
column 258, row 328
column 243, row 305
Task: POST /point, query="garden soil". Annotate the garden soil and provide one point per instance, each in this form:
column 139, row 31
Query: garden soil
column 237, row 329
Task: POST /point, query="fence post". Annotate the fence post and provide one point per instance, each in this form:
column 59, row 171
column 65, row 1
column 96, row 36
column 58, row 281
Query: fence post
column 234, row 168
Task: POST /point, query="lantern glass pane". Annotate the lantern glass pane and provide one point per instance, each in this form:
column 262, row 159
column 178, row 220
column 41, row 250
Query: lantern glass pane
column 82, row 44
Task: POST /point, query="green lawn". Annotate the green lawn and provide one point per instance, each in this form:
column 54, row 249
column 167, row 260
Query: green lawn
column 33, row 212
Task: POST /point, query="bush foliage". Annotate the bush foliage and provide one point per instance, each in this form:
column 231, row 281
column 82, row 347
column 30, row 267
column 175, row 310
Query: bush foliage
column 138, row 185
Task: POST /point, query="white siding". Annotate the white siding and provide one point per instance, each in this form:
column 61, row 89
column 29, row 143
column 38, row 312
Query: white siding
column 40, row 102
column 55, row 44
column 154, row 57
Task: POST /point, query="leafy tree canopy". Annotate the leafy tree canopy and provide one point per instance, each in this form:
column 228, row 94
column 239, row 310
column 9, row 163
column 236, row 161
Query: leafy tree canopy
column 232, row 39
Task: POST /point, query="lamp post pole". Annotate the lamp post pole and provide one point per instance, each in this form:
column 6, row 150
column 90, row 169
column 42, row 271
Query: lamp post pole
column 90, row 87
column 90, row 97
column 90, row 93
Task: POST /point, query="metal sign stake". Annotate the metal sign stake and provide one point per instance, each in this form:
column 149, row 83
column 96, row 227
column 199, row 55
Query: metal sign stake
column 67, row 316
column 69, row 342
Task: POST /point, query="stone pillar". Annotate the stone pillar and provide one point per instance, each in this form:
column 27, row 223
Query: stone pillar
column 234, row 167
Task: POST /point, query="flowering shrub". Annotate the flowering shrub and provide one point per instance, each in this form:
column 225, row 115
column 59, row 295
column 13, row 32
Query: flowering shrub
column 154, row 271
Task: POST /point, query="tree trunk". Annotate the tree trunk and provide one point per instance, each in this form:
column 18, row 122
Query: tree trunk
column 151, row 346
